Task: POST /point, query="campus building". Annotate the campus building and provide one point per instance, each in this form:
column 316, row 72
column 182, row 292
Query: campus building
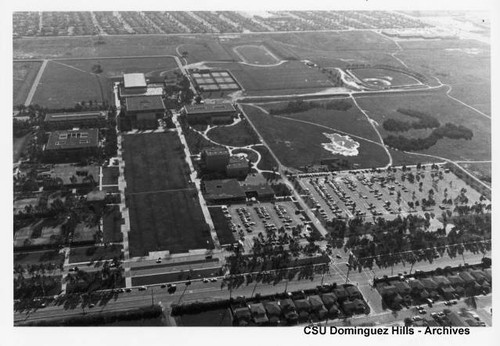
column 71, row 145
column 65, row 121
column 136, row 84
column 218, row 113
column 215, row 159
column 143, row 112
column 237, row 167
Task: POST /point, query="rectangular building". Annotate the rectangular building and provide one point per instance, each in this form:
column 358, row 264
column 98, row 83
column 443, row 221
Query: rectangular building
column 144, row 111
column 219, row 113
column 71, row 145
column 215, row 159
column 65, row 121
column 237, row 167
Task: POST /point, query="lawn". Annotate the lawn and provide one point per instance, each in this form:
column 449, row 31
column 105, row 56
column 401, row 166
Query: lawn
column 267, row 161
column 256, row 55
column 437, row 104
column 238, row 135
column 38, row 257
column 298, row 144
column 62, row 87
column 167, row 221
column 212, row 318
column 111, row 224
column 195, row 141
column 154, row 162
column 224, row 234
column 94, row 253
column 110, row 175
column 113, row 68
column 291, row 76
column 351, row 121
column 24, row 73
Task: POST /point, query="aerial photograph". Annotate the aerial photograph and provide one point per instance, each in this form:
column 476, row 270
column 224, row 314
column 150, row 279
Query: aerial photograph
column 321, row 169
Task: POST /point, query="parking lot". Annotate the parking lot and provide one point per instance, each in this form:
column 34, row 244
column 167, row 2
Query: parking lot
column 370, row 194
column 257, row 220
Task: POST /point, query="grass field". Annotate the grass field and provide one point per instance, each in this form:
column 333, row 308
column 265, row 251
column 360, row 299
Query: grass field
column 154, row 162
column 256, row 55
column 110, row 175
column 350, row 121
column 224, row 234
column 94, row 253
column 62, row 86
column 112, row 68
column 37, row 257
column 165, row 213
column 67, row 82
column 267, row 161
column 297, row 144
column 291, row 76
column 111, row 224
column 445, row 110
column 464, row 64
column 24, row 74
column 238, row 135
column 167, row 221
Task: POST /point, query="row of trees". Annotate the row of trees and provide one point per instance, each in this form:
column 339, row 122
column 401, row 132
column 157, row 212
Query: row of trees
column 302, row 106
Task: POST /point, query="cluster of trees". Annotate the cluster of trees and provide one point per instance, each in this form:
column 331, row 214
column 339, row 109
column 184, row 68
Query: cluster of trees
column 111, row 142
column 110, row 276
column 415, row 144
column 425, row 121
column 302, row 106
column 103, row 318
column 409, row 239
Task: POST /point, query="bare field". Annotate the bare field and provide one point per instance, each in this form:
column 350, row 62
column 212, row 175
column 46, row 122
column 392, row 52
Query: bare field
column 24, row 73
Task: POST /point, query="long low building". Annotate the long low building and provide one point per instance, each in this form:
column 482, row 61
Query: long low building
column 64, row 121
column 217, row 113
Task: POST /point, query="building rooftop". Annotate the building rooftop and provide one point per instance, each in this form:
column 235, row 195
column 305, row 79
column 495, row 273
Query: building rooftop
column 75, row 116
column 72, row 139
column 212, row 151
column 150, row 90
column 144, row 103
column 236, row 162
column 134, row 80
column 209, row 108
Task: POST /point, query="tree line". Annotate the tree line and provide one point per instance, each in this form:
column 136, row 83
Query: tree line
column 415, row 144
column 302, row 106
column 425, row 121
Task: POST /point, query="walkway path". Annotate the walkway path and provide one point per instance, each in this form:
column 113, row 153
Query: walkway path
column 29, row 98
